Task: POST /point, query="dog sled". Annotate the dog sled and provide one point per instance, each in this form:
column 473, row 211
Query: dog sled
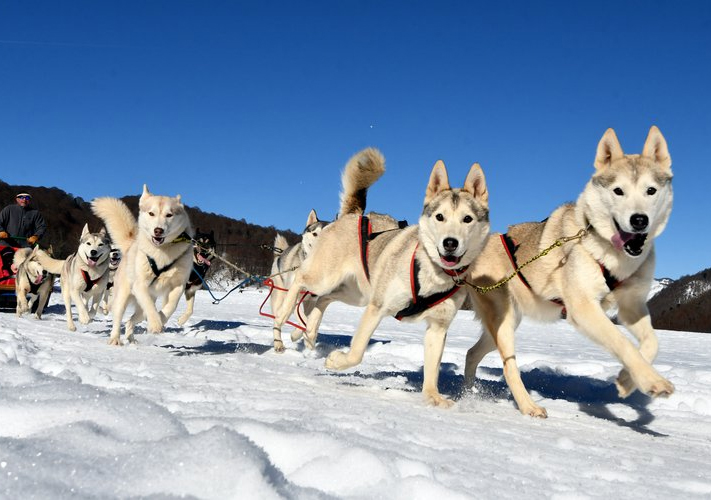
column 8, row 299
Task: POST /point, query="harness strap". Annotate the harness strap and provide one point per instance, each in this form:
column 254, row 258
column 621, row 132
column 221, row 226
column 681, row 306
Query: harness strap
column 419, row 303
column 89, row 282
column 154, row 267
column 197, row 274
column 365, row 229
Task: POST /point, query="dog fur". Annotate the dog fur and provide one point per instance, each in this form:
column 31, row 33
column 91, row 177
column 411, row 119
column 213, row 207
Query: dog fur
column 83, row 275
column 290, row 257
column 160, row 239
column 203, row 254
column 114, row 261
column 451, row 231
column 624, row 206
column 31, row 280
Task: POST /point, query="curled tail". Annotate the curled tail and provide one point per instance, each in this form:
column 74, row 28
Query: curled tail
column 119, row 221
column 361, row 172
column 280, row 244
column 49, row 264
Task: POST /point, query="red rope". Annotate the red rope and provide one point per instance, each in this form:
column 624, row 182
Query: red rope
column 270, row 283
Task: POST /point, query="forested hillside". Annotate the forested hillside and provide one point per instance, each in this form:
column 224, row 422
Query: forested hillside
column 239, row 242
column 685, row 304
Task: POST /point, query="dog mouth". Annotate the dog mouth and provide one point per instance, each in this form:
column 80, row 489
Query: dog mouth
column 92, row 260
column 449, row 260
column 631, row 243
column 203, row 260
column 158, row 240
column 39, row 279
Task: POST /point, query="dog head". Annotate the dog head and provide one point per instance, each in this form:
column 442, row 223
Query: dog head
column 94, row 248
column 26, row 262
column 204, row 248
column 629, row 198
column 455, row 222
column 114, row 258
column 162, row 218
column 310, row 235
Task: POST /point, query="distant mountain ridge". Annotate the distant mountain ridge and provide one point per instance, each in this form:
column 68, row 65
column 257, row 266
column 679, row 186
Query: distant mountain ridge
column 239, row 242
column 683, row 304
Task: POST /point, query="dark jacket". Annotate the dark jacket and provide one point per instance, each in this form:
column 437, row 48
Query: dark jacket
column 18, row 221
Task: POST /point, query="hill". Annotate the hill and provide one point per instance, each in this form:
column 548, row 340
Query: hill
column 239, row 242
column 684, row 304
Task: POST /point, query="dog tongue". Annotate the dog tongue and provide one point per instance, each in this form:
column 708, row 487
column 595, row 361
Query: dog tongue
column 38, row 279
column 449, row 260
column 620, row 238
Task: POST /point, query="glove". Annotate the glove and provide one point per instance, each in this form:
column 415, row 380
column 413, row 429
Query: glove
column 4, row 235
column 32, row 239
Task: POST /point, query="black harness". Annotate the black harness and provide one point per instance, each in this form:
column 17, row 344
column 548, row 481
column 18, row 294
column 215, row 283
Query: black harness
column 183, row 237
column 510, row 245
column 197, row 275
column 366, row 235
column 34, row 287
column 89, row 282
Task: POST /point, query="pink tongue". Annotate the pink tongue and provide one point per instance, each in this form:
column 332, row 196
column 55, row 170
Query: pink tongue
column 38, row 279
column 448, row 261
column 620, row 238
column 203, row 260
column 90, row 262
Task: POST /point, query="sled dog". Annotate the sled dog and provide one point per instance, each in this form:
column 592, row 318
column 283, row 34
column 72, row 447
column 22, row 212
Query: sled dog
column 114, row 260
column 624, row 206
column 204, row 247
column 408, row 273
column 32, row 280
column 83, row 275
column 155, row 258
column 287, row 258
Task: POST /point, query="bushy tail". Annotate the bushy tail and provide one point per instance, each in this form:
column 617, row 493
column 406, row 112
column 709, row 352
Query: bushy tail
column 280, row 244
column 361, row 172
column 119, row 221
column 48, row 263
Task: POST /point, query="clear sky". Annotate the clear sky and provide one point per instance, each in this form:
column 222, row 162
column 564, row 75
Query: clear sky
column 251, row 109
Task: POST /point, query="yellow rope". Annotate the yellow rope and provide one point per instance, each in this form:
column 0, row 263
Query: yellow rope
column 557, row 243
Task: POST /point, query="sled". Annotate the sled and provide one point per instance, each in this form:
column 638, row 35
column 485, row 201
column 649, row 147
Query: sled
column 8, row 299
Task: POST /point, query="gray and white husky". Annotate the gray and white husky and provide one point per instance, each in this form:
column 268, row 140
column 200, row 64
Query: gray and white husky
column 32, row 280
column 285, row 260
column 114, row 261
column 623, row 208
column 83, row 275
column 407, row 273
column 156, row 258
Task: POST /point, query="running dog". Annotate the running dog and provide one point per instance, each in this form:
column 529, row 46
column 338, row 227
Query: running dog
column 83, row 275
column 156, row 258
column 32, row 281
column 114, row 261
column 286, row 260
column 409, row 273
column 204, row 247
column 602, row 255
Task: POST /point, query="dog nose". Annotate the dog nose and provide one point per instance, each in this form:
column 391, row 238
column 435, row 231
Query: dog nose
column 450, row 244
column 158, row 232
column 639, row 222
column 93, row 253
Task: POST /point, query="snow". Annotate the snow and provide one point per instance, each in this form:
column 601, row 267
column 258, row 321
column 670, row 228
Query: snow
column 210, row 411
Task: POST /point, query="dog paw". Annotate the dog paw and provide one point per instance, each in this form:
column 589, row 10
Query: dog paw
column 279, row 346
column 662, row 388
column 535, row 411
column 155, row 326
column 72, row 328
column 84, row 319
column 625, row 384
column 115, row 341
column 337, row 360
column 436, row 399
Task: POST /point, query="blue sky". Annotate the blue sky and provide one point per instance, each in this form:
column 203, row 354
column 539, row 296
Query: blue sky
column 251, row 109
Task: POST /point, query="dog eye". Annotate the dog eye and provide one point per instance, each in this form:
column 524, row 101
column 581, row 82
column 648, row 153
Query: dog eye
column 169, row 215
column 151, row 214
column 618, row 192
column 439, row 217
column 651, row 191
column 467, row 219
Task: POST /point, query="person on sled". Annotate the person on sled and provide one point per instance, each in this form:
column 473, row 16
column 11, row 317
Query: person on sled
column 20, row 224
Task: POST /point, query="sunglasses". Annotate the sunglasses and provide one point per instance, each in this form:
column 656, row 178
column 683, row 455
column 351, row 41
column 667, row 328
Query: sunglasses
column 23, row 197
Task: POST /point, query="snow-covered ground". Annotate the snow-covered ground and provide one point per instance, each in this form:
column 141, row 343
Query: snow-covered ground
column 211, row 411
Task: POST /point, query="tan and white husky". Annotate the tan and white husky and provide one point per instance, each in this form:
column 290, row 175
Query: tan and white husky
column 156, row 258
column 407, row 273
column 286, row 259
column 32, row 281
column 624, row 206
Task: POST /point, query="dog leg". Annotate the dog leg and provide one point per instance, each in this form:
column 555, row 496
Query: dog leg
column 43, row 298
column 339, row 360
column 67, row 296
column 313, row 321
column 131, row 323
column 593, row 322
column 170, row 305
column 285, row 310
column 190, row 300
column 434, row 347
column 121, row 297
column 635, row 317
column 22, row 306
column 147, row 304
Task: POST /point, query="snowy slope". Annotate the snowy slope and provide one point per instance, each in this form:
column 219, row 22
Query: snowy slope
column 211, row 411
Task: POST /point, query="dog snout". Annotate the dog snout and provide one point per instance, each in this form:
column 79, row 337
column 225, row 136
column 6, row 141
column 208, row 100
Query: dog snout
column 450, row 245
column 93, row 253
column 158, row 232
column 639, row 222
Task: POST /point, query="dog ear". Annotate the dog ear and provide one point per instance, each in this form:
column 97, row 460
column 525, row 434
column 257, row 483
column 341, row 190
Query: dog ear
column 655, row 147
column 85, row 231
column 475, row 183
column 313, row 219
column 145, row 190
column 439, row 181
column 608, row 150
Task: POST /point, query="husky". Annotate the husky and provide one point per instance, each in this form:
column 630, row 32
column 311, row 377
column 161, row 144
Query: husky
column 83, row 275
column 409, row 273
column 286, row 260
column 605, row 258
column 32, row 280
column 156, row 258
column 204, row 246
column 114, row 261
